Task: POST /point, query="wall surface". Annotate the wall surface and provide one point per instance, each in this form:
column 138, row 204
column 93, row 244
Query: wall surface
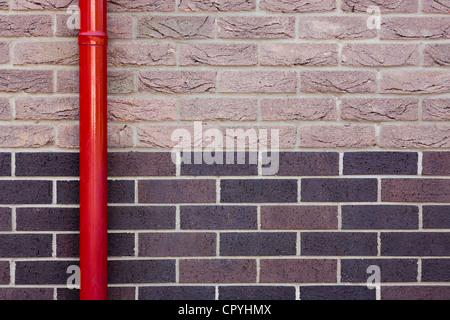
column 364, row 171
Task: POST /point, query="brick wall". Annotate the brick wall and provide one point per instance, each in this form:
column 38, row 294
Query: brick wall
column 364, row 174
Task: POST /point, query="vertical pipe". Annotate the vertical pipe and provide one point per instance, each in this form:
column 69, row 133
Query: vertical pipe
column 92, row 42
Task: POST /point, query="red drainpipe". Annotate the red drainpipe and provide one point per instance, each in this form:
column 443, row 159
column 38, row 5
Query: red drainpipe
column 93, row 42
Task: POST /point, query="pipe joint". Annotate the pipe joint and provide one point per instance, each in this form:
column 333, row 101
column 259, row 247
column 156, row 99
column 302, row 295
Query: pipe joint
column 93, row 38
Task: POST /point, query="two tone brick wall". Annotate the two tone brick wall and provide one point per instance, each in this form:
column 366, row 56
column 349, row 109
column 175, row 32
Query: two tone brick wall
column 364, row 172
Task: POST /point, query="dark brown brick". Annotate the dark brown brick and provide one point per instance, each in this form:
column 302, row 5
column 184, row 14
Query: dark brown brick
column 131, row 164
column 380, row 217
column 337, row 293
column 5, row 219
column 415, row 244
column 25, row 245
column 141, row 271
column 119, row 191
column 395, row 163
column 42, row 272
column 114, row 293
column 47, row 219
column 436, row 163
column 119, row 244
column 298, row 271
column 436, row 270
column 258, row 191
column 218, row 271
column 299, row 217
column 339, row 190
column 26, row 293
column 308, row 164
column 258, row 244
column 392, row 270
column 218, row 217
column 4, row 272
column 226, row 168
column 177, row 293
column 415, row 293
column 256, row 293
column 49, row 164
column 177, row 191
column 177, row 244
column 25, row 192
column 5, row 164
column 338, row 244
column 415, row 190
column 141, row 218
column 436, row 217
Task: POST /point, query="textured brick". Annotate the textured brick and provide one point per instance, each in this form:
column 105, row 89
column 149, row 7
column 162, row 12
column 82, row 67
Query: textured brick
column 5, row 109
column 436, row 217
column 308, row 164
column 371, row 163
column 177, row 293
column 258, row 244
column 436, row 109
column 53, row 53
column 4, row 272
column 47, row 219
column 46, row 164
column 15, row 25
column 141, row 54
column 119, row 136
column 141, row 271
column 298, row 5
column 338, row 81
column 407, row 82
column 221, row 5
column 270, row 136
column 4, row 51
column 416, row 293
column 380, row 55
column 405, row 28
column 159, row 136
column 380, row 109
column 298, row 271
column 339, row 244
column 236, row 168
column 42, row 272
column 436, row 270
column 415, row 136
column 25, row 192
column 233, row 109
column 218, row 217
column 130, row 164
column 131, row 109
column 253, row 191
column 307, row 109
column 4, row 4
column 336, row 136
column 258, row 81
column 5, row 164
column 141, row 5
column 252, row 27
column 436, row 6
column 415, row 244
column 255, row 293
column 141, row 218
column 29, row 81
column 402, row 6
column 114, row 293
column 292, row 54
column 380, row 217
column 26, row 293
column 58, row 5
column 337, row 293
column 218, row 271
column 177, row 81
column 436, row 54
column 415, row 190
column 234, row 54
column 67, row 81
column 51, row 108
column 392, row 270
column 175, row 27
column 25, row 245
column 177, row 191
column 6, row 219
column 177, row 244
column 119, row 245
column 26, row 136
column 119, row 191
column 342, row 27
column 299, row 217
column 436, row 163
